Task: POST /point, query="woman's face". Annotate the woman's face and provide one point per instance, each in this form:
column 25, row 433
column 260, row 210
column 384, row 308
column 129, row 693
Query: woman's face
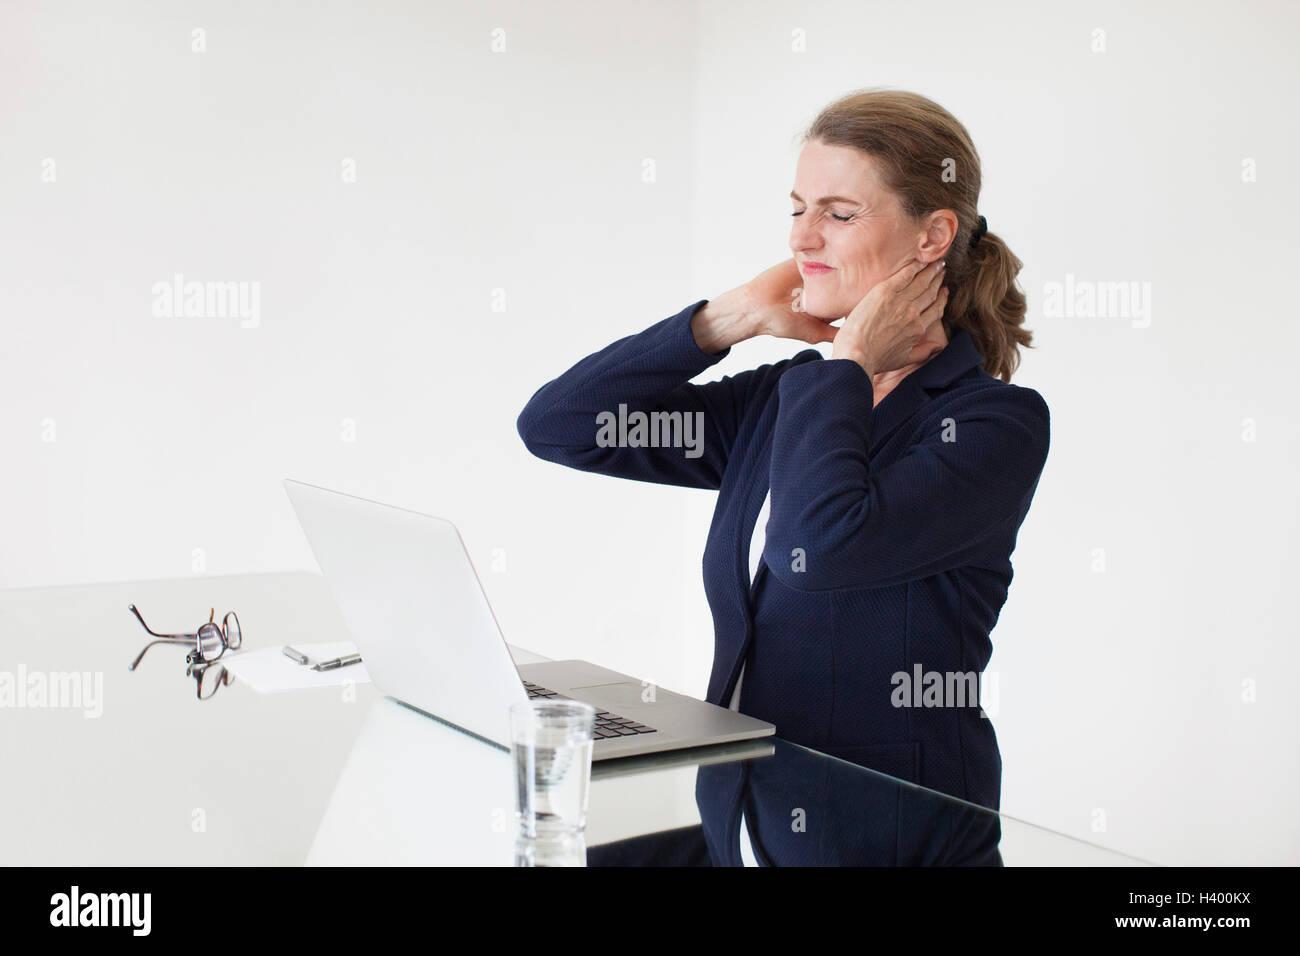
column 869, row 241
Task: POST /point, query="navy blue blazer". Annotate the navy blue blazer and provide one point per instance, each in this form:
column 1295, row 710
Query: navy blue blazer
column 888, row 544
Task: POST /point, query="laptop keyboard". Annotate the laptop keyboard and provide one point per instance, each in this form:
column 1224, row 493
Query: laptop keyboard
column 607, row 724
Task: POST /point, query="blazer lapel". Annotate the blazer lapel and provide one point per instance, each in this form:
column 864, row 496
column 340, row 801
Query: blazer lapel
column 958, row 357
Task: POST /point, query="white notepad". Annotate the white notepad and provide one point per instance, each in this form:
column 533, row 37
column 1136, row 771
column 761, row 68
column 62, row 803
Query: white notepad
column 268, row 671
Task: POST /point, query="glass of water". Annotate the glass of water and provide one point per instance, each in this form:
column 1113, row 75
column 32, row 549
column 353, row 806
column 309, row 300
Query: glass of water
column 551, row 744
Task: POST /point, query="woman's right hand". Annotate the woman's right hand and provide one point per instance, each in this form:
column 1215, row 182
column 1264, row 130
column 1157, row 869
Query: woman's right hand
column 769, row 304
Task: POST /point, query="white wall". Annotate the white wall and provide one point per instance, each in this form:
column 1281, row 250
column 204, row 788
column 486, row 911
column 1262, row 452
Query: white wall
column 477, row 171
column 1121, row 712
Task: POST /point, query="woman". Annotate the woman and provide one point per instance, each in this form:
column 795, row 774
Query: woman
column 882, row 488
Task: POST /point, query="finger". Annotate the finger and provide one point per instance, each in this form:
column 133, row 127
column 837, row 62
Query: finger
column 929, row 287
column 931, row 316
column 816, row 331
column 804, row 328
column 907, row 274
column 926, row 284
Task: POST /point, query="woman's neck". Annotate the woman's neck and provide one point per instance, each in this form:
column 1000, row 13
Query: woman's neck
column 886, row 382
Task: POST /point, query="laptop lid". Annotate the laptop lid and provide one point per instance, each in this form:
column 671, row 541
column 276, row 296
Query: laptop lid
column 409, row 595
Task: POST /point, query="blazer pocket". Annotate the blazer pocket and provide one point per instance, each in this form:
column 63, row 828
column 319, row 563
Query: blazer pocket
column 895, row 760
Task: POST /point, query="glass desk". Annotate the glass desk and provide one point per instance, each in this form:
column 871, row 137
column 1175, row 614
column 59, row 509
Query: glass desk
column 139, row 772
column 417, row 791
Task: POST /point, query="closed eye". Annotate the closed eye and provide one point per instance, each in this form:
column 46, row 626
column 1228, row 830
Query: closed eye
column 833, row 216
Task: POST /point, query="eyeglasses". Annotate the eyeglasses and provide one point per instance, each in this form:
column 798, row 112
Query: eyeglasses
column 209, row 642
column 208, row 678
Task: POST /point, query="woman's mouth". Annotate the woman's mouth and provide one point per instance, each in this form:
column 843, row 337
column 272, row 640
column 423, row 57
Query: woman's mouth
column 813, row 268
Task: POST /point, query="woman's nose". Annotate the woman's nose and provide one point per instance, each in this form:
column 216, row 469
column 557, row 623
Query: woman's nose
column 803, row 238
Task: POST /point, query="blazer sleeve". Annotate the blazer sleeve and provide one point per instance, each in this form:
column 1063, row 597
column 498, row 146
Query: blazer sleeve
column 935, row 508
column 647, row 372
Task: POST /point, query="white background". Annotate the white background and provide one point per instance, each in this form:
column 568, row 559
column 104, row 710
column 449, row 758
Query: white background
column 521, row 176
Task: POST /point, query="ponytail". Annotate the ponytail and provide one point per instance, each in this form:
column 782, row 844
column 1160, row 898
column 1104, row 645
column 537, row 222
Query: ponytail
column 986, row 300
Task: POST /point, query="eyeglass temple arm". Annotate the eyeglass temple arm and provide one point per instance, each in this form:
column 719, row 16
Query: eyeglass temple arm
column 161, row 640
column 188, row 637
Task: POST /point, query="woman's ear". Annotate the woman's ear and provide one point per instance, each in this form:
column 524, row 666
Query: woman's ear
column 940, row 229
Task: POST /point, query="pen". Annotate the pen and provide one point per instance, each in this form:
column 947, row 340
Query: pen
column 343, row 661
column 298, row 657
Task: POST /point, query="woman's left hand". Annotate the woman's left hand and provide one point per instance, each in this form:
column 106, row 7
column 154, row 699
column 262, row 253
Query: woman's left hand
column 896, row 320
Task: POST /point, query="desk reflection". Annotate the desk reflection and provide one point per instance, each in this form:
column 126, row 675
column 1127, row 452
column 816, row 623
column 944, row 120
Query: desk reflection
column 802, row 808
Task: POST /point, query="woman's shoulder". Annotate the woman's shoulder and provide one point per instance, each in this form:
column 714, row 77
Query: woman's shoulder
column 984, row 397
column 979, row 388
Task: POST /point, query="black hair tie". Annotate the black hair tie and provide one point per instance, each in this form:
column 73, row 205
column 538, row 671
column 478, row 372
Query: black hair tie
column 978, row 233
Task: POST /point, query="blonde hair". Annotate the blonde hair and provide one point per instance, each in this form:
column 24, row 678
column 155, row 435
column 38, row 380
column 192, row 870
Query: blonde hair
column 915, row 143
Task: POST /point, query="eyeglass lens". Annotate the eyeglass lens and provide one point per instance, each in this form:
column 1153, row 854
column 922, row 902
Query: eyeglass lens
column 210, row 678
column 233, row 636
column 211, row 643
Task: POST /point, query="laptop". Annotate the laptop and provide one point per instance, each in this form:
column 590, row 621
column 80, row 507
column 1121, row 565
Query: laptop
column 416, row 609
